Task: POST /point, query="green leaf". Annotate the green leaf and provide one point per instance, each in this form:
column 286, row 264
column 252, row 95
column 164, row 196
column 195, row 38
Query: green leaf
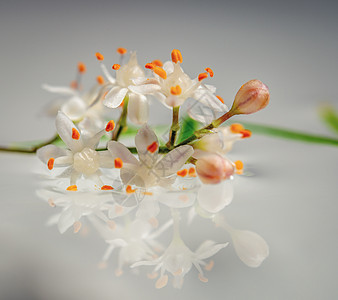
column 329, row 116
column 188, row 127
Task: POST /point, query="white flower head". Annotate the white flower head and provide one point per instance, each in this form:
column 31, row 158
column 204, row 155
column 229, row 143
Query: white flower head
column 81, row 158
column 151, row 169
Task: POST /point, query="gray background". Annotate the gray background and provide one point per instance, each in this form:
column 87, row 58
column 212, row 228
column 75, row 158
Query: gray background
column 292, row 200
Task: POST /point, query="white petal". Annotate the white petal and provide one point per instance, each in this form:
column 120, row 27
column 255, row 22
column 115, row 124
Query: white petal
column 74, row 108
column 143, row 80
column 144, row 138
column 50, row 151
column 119, row 150
column 173, row 161
column 106, row 159
column 64, row 161
column 168, row 66
column 145, row 89
column 148, row 208
column 178, row 199
column 64, row 127
column 174, row 101
column 250, row 247
column 61, row 90
column 66, row 220
column 115, row 97
column 138, row 109
column 214, row 197
column 209, row 248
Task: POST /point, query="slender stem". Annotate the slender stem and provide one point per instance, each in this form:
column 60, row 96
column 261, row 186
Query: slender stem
column 175, row 127
column 122, row 123
column 31, row 149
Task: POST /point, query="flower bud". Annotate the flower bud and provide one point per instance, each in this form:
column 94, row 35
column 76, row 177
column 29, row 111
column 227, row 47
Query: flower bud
column 251, row 97
column 213, row 168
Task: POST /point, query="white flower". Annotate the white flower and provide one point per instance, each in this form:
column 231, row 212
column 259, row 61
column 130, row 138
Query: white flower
column 174, row 86
column 178, row 260
column 80, row 158
column 75, row 206
column 151, row 169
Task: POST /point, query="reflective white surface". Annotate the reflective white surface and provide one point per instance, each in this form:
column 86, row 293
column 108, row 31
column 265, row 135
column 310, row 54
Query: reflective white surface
column 291, row 200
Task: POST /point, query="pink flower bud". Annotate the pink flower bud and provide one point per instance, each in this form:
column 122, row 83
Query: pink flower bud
column 251, row 97
column 213, row 168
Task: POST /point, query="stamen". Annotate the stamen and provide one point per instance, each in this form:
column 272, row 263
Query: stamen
column 121, row 50
column 176, row 90
column 110, row 126
column 178, row 272
column 118, row 163
column 102, row 265
column 152, row 275
column 81, row 67
column 72, row 188
column 75, row 134
column 160, row 72
column 192, row 172
column 182, row 173
column 51, row 203
column 162, row 282
column 106, row 188
column 129, row 190
column 202, row 76
column 100, row 79
column 77, row 226
column 239, row 166
column 147, row 193
column 157, row 62
column 236, row 128
column 211, row 72
column 116, row 67
column 202, row 278
column 150, row 66
column 209, row 266
column 246, row 133
column 118, row 209
column 50, row 163
column 111, row 224
column 183, row 198
column 176, row 56
column 152, row 147
column 153, row 222
column 99, row 56
column 220, row 99
column 118, row 272
column 74, row 85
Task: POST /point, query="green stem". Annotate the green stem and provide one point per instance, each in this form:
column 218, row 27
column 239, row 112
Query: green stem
column 175, row 127
column 122, row 123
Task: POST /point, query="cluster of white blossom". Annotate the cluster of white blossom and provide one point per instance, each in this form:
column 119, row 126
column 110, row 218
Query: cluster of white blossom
column 104, row 183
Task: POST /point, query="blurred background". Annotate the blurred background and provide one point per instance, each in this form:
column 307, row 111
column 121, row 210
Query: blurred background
column 291, row 46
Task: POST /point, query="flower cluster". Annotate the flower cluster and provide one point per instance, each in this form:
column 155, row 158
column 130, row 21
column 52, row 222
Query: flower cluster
column 121, row 190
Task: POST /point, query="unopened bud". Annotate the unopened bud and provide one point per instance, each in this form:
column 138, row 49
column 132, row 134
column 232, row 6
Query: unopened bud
column 251, row 97
column 213, row 168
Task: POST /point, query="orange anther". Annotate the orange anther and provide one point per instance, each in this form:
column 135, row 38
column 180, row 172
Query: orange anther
column 147, row 193
column 202, row 76
column 192, row 172
column 72, row 188
column 118, row 163
column 50, row 163
column 110, row 126
column 121, row 51
column 75, row 134
column 152, row 147
column 211, row 72
column 129, row 190
column 220, row 99
column 239, row 165
column 176, row 56
column 246, row 133
column 160, row 72
column 157, row 62
column 81, row 67
column 175, row 90
column 100, row 79
column 74, row 84
column 182, row 173
column 236, row 128
column 150, row 66
column 116, row 67
column 99, row 56
column 106, row 188
column 122, row 104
